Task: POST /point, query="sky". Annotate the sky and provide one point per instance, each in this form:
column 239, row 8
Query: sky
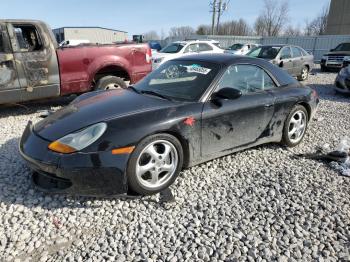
column 140, row 16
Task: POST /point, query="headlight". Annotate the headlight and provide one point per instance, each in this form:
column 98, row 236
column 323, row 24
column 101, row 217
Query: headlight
column 347, row 58
column 77, row 141
column 324, row 57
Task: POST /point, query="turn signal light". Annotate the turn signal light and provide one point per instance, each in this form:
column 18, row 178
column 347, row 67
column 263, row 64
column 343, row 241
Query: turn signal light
column 123, row 150
column 58, row 147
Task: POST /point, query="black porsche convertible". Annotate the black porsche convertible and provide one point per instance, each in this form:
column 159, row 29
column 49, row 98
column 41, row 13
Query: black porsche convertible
column 188, row 111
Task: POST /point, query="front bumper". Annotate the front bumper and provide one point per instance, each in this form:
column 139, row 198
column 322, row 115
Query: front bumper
column 332, row 64
column 342, row 84
column 87, row 174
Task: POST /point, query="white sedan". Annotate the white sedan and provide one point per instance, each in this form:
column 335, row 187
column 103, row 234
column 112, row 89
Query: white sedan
column 240, row 49
column 182, row 48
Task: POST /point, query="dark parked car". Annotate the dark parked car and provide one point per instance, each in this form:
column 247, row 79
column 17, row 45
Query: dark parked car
column 342, row 82
column 294, row 59
column 154, row 45
column 188, row 111
column 336, row 58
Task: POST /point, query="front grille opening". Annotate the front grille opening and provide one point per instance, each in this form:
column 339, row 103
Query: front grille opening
column 50, row 183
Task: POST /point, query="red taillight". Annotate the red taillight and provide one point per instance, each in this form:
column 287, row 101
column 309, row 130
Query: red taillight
column 149, row 55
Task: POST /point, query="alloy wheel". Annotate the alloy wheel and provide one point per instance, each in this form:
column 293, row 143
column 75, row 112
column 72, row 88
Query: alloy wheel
column 156, row 164
column 112, row 86
column 297, row 126
column 304, row 73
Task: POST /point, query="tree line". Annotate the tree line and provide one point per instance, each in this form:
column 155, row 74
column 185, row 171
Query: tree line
column 273, row 20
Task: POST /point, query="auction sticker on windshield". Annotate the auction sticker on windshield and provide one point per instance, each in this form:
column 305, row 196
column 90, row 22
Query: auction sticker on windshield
column 195, row 68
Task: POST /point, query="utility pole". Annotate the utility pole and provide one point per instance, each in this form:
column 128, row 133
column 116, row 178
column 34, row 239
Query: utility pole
column 219, row 7
column 219, row 15
column 213, row 4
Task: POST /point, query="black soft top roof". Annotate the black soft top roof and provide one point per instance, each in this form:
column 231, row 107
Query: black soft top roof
column 228, row 59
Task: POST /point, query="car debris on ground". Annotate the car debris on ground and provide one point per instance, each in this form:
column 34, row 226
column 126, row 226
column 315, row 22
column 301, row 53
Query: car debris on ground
column 339, row 159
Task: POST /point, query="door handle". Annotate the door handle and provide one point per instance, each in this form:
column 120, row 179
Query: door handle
column 268, row 105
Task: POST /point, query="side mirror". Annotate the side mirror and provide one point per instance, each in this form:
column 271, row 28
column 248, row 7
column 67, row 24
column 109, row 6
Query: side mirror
column 331, row 50
column 227, row 93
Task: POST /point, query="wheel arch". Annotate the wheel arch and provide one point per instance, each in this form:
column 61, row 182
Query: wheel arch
column 184, row 144
column 308, row 109
column 113, row 70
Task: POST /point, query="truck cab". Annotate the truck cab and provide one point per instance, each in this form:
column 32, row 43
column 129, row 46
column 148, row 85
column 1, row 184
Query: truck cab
column 32, row 66
column 28, row 62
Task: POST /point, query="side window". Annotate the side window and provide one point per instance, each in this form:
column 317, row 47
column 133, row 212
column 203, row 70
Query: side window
column 28, row 38
column 303, row 52
column 246, row 78
column 296, row 52
column 285, row 53
column 204, row 47
column 192, row 48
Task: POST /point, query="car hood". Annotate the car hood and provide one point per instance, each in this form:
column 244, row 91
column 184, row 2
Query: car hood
column 340, row 53
column 96, row 107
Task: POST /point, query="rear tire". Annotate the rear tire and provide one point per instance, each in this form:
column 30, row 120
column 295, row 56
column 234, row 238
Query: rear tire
column 155, row 164
column 295, row 126
column 110, row 83
column 304, row 74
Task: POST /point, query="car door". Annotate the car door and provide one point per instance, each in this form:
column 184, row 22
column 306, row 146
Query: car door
column 286, row 60
column 8, row 71
column 297, row 60
column 234, row 123
column 35, row 57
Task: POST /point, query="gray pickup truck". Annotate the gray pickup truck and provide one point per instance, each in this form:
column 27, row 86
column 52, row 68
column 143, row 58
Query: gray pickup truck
column 32, row 66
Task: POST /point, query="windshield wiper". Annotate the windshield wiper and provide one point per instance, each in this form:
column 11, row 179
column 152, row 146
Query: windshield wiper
column 155, row 94
column 134, row 89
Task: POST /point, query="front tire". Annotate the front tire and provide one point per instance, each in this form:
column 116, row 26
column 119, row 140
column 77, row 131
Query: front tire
column 324, row 68
column 110, row 83
column 295, row 126
column 155, row 163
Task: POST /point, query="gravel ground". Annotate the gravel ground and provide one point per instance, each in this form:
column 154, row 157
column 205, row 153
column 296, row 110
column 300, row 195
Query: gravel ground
column 258, row 205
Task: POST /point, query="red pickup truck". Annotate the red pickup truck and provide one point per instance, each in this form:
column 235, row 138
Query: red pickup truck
column 32, row 66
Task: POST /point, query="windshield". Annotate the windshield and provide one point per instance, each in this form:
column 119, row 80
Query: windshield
column 235, row 47
column 266, row 52
column 179, row 80
column 172, row 48
column 343, row 47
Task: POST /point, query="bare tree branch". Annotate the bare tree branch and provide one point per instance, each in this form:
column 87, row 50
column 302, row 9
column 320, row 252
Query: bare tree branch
column 151, row 35
column 182, row 31
column 273, row 18
column 318, row 25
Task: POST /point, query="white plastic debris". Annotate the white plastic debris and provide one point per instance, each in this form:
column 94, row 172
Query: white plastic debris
column 342, row 168
column 344, row 145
